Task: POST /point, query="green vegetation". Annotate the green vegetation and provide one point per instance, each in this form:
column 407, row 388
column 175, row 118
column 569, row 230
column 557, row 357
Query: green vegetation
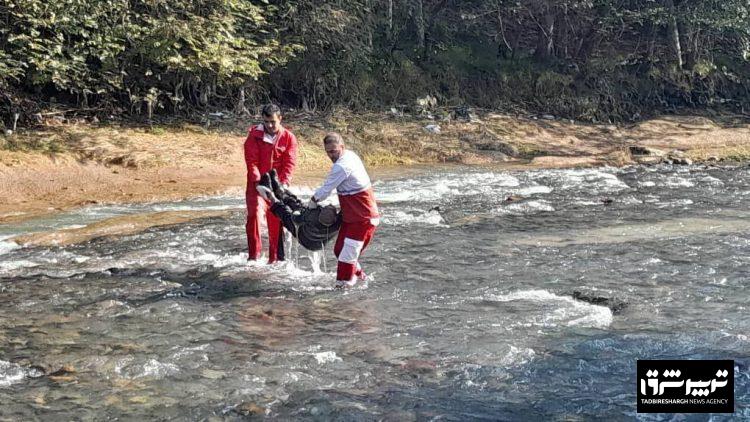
column 585, row 59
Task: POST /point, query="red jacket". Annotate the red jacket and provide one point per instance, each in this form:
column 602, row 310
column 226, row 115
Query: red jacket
column 261, row 156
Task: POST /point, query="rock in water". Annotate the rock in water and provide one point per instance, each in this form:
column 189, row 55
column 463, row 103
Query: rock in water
column 615, row 305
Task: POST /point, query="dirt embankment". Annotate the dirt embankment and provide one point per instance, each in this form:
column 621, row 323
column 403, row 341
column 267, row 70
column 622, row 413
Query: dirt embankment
column 63, row 167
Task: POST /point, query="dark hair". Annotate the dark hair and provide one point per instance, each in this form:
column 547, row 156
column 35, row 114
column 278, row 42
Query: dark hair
column 333, row 138
column 269, row 110
column 327, row 215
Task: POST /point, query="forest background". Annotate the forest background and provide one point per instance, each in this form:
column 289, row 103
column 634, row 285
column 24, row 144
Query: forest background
column 590, row 60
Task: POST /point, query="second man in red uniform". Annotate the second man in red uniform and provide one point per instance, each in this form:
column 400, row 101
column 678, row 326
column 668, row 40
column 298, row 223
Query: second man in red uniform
column 268, row 146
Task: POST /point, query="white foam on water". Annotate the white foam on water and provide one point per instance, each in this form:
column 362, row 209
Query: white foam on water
column 7, row 246
column 182, row 352
column 226, row 260
column 708, row 179
column 443, row 186
column 517, row 356
column 532, row 190
column 326, row 357
column 299, row 279
column 151, row 368
column 180, row 258
column 569, row 312
column 321, row 357
column 155, row 369
column 6, row 267
column 676, row 203
column 409, row 217
column 288, row 273
column 674, row 181
column 525, row 208
column 629, row 200
column 595, row 181
column 10, row 373
column 403, row 193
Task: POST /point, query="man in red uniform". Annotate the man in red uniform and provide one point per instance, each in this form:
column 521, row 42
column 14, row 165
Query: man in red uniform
column 268, row 146
column 360, row 212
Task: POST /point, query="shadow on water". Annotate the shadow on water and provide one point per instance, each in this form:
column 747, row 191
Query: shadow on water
column 200, row 284
column 204, row 284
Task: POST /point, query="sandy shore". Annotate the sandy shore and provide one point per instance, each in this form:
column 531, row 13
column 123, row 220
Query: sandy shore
column 123, row 165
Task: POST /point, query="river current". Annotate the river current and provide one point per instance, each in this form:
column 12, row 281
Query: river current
column 494, row 295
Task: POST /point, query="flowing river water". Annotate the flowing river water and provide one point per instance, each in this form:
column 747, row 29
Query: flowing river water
column 477, row 307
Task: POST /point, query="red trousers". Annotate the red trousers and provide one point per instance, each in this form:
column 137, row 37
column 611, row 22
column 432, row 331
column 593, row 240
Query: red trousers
column 255, row 206
column 350, row 244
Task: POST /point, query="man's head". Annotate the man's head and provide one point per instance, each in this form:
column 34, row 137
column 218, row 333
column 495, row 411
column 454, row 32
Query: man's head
column 334, row 146
column 271, row 118
column 327, row 215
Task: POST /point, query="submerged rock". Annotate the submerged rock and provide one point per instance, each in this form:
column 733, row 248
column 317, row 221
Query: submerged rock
column 615, row 305
column 419, row 366
column 65, row 374
column 213, row 374
column 248, row 408
column 64, row 370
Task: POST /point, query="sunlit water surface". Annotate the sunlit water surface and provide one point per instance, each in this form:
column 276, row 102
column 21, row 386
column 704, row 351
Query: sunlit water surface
column 468, row 313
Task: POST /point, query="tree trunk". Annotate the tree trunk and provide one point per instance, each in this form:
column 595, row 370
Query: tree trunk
column 563, row 35
column 419, row 20
column 674, row 32
column 240, row 108
column 505, row 47
column 688, row 44
column 651, row 52
column 389, row 34
column 369, row 21
column 545, row 48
